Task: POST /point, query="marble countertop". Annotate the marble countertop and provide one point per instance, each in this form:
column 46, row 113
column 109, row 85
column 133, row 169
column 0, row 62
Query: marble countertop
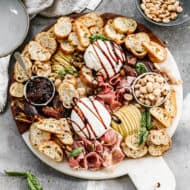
column 14, row 154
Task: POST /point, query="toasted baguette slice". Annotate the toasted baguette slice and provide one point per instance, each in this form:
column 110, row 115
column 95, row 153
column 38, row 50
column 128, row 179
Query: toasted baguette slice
column 51, row 150
column 51, row 33
column 65, row 138
column 111, row 33
column 63, row 27
column 80, row 48
column 158, row 150
column 161, row 115
column 66, row 47
column 91, row 19
column 65, row 124
column 50, row 125
column 133, row 42
column 73, row 39
column 159, row 137
column 170, row 105
column 46, row 41
column 156, row 52
column 37, row 52
column 124, row 25
column 130, row 153
column 157, row 124
column 17, row 90
column 83, row 34
column 38, row 136
column 95, row 30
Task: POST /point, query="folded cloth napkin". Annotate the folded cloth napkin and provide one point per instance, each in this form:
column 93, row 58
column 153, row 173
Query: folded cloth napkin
column 53, row 8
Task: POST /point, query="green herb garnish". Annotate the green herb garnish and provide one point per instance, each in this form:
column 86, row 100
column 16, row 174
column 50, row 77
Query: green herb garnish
column 149, row 122
column 98, row 37
column 75, row 152
column 146, row 124
column 62, row 73
column 141, row 68
column 143, row 135
column 32, row 181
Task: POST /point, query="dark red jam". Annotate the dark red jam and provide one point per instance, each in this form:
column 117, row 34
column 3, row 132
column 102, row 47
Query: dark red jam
column 39, row 90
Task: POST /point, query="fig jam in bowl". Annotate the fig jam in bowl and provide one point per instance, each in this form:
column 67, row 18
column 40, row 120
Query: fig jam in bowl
column 39, row 91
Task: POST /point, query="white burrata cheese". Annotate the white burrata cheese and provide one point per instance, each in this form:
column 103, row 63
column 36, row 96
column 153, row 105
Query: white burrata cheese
column 105, row 57
column 90, row 119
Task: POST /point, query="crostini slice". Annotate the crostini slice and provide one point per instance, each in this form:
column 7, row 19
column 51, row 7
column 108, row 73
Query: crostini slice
column 156, row 52
column 63, row 27
column 133, row 42
column 51, row 150
column 124, row 25
column 37, row 52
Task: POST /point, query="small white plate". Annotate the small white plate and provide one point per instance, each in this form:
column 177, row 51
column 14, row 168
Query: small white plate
column 14, row 22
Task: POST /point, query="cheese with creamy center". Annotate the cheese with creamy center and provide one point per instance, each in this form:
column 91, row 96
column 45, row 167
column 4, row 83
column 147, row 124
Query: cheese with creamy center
column 90, row 119
column 105, row 57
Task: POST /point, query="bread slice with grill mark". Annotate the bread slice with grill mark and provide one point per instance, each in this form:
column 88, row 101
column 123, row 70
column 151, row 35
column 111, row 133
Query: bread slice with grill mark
column 51, row 150
column 161, row 115
column 50, row 125
column 38, row 136
column 65, row 138
column 170, row 104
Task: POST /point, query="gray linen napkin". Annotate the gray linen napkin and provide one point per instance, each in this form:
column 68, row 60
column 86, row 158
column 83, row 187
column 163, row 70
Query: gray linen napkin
column 53, row 8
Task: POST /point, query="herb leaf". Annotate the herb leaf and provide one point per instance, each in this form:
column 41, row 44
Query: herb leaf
column 143, row 135
column 141, row 68
column 149, row 122
column 32, row 181
column 98, row 37
column 75, row 152
column 143, row 120
column 62, row 73
column 13, row 173
column 146, row 124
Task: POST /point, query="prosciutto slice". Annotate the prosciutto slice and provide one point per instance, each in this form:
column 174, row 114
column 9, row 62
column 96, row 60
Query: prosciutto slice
column 104, row 151
column 110, row 138
column 112, row 92
column 93, row 161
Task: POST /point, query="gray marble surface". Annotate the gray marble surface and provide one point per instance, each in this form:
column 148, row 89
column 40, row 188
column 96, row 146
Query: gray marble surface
column 14, row 155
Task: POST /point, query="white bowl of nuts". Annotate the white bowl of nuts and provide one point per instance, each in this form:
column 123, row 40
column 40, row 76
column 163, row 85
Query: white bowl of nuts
column 165, row 12
column 150, row 89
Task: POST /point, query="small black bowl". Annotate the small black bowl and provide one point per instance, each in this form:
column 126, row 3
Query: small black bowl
column 182, row 17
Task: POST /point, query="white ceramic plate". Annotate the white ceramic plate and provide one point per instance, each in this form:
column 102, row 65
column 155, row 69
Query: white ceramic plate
column 14, row 23
column 127, row 166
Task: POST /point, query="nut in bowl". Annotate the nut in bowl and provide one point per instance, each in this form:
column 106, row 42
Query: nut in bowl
column 164, row 12
column 150, row 89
